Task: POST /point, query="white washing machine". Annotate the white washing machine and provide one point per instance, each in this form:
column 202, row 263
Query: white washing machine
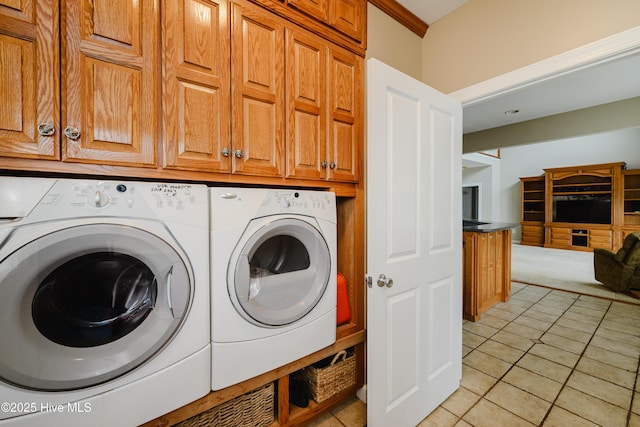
column 273, row 278
column 104, row 300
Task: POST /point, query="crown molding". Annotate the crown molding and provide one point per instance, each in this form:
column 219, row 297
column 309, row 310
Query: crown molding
column 402, row 15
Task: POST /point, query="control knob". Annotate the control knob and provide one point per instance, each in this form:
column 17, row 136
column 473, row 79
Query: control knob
column 99, row 199
column 284, row 203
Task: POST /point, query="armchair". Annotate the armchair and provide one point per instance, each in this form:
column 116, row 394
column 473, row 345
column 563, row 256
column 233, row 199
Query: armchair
column 620, row 271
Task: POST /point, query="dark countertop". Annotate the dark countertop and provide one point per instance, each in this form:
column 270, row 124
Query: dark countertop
column 485, row 227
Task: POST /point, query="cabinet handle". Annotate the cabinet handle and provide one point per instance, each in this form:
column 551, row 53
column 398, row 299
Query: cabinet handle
column 332, row 165
column 71, row 133
column 226, row 152
column 46, row 129
column 324, row 164
column 239, row 154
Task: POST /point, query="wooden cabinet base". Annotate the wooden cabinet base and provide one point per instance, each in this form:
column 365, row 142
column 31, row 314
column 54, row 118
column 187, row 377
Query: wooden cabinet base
column 486, row 271
column 286, row 415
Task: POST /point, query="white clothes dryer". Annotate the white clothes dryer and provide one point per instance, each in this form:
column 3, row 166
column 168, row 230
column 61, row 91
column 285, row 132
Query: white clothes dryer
column 273, row 277
column 104, row 300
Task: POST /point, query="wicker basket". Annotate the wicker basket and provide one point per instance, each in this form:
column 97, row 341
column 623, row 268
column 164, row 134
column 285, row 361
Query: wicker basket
column 252, row 409
column 330, row 380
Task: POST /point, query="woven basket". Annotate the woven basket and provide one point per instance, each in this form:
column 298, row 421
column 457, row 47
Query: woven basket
column 252, row 409
column 330, row 380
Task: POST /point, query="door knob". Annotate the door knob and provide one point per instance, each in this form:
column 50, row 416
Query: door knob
column 385, row 281
column 226, row 152
column 239, row 154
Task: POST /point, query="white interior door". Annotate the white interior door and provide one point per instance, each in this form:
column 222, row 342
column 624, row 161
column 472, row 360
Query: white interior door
column 414, row 239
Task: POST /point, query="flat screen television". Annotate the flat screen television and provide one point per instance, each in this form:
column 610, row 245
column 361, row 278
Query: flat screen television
column 588, row 209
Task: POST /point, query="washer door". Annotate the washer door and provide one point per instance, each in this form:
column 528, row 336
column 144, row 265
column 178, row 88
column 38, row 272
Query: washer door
column 281, row 272
column 86, row 304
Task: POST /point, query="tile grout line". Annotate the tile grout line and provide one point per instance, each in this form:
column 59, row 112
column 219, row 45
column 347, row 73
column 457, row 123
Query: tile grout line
column 633, row 392
column 564, row 384
column 512, row 364
column 573, row 369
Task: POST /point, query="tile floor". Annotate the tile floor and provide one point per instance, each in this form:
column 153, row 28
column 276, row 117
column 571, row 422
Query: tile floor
column 544, row 358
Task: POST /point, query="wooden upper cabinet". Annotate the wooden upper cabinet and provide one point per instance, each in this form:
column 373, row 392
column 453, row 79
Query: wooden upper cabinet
column 349, row 17
column 324, row 91
column 29, row 79
column 306, row 106
column 257, row 92
column 346, row 16
column 345, row 98
column 319, row 9
column 110, row 96
column 196, row 85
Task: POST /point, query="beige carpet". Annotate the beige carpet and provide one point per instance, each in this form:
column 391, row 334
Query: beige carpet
column 560, row 269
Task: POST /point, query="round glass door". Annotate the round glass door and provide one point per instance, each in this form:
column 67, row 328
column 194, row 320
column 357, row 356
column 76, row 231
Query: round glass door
column 281, row 273
column 86, row 304
column 94, row 299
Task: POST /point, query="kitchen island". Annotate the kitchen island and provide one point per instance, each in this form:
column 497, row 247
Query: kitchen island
column 486, row 275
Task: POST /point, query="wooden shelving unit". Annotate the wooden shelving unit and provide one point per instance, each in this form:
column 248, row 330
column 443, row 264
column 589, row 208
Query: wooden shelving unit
column 533, row 203
column 631, row 197
column 583, row 207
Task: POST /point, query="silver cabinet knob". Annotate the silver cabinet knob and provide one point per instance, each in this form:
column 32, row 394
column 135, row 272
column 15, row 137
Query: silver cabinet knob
column 332, row 165
column 239, row 154
column 385, row 281
column 71, row 133
column 225, row 152
column 324, row 164
column 46, row 129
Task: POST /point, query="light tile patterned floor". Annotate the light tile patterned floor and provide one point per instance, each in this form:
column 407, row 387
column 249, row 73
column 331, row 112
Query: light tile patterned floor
column 544, row 358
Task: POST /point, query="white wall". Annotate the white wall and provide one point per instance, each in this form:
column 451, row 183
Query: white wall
column 530, row 160
column 483, row 171
column 392, row 43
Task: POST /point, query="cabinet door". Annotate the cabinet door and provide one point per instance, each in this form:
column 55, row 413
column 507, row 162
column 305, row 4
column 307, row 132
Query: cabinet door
column 601, row 239
column 560, row 236
column 345, row 114
column 29, row 79
column 306, row 105
column 110, row 93
column 257, row 93
column 349, row 17
column 319, row 9
column 196, row 85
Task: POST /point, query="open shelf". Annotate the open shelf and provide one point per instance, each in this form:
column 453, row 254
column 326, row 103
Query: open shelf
column 533, row 209
column 631, row 210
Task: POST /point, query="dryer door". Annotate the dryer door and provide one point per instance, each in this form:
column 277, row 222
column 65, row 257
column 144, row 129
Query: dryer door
column 86, row 304
column 281, row 272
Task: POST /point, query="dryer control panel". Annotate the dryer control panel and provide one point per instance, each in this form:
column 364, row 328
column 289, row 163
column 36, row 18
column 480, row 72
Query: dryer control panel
column 302, row 202
column 235, row 205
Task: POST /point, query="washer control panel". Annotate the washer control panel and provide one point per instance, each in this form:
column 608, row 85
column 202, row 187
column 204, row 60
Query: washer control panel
column 69, row 198
column 102, row 194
